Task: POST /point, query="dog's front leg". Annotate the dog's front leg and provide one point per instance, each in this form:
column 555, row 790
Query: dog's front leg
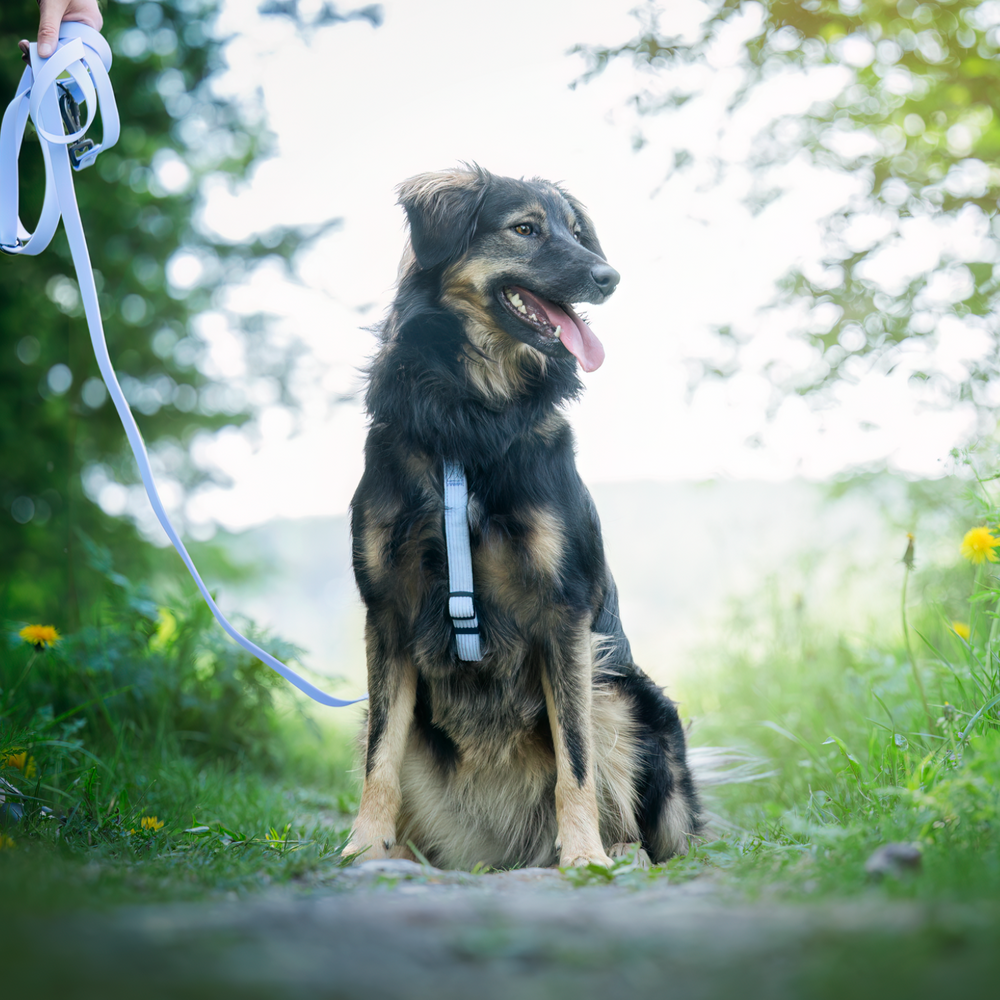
column 392, row 688
column 567, row 678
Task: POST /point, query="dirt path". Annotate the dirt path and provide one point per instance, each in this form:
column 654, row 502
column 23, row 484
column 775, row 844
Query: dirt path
column 395, row 930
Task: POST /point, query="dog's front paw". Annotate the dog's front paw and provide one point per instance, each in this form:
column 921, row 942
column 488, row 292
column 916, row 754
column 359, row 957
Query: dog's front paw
column 365, row 849
column 578, row 860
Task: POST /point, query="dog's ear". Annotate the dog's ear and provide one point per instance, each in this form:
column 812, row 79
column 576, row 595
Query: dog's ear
column 588, row 235
column 443, row 209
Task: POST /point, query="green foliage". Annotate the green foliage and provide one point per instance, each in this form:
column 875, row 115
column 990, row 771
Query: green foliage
column 914, row 119
column 141, row 671
column 58, row 431
column 151, row 738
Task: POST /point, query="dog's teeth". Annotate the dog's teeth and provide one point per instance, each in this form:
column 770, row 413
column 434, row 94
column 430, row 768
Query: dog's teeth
column 557, row 331
column 516, row 299
column 522, row 307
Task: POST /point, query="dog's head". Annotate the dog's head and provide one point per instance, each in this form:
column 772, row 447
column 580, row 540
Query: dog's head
column 513, row 256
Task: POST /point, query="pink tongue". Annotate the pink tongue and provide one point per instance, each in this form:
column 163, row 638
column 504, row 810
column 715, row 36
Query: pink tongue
column 580, row 341
column 575, row 335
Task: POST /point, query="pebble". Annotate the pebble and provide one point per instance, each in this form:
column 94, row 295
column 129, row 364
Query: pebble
column 894, row 859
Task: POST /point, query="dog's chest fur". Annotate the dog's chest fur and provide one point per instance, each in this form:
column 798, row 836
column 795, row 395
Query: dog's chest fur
column 534, row 560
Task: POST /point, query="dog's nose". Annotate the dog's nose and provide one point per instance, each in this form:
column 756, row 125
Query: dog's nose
column 606, row 278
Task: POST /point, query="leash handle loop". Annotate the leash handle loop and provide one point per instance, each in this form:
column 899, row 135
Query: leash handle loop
column 85, row 55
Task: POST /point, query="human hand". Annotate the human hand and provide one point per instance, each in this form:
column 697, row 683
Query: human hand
column 52, row 13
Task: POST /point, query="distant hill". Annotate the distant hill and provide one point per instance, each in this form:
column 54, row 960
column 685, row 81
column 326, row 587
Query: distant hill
column 679, row 552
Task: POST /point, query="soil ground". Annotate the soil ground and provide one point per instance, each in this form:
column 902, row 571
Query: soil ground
column 399, row 930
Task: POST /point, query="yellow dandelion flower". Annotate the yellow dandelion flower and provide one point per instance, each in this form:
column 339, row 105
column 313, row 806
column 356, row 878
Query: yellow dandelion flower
column 151, row 823
column 978, row 546
column 39, row 636
column 961, row 629
column 6, row 843
column 23, row 763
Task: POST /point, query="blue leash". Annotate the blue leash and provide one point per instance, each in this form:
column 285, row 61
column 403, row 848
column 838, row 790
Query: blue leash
column 52, row 100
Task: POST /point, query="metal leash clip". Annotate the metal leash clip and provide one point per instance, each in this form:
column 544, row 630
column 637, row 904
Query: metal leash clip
column 70, row 111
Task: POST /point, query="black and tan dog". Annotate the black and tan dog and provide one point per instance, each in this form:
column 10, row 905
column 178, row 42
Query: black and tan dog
column 554, row 746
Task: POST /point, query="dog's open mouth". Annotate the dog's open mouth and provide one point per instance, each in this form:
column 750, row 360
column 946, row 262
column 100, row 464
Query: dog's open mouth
column 555, row 322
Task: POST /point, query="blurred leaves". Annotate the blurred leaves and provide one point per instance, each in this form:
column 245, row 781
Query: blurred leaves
column 914, row 121
column 327, row 13
column 160, row 271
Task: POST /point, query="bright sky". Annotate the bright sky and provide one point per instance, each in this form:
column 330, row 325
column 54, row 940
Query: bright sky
column 357, row 109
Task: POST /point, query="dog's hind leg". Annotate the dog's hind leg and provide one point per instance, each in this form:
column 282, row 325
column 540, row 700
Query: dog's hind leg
column 567, row 679
column 644, row 781
column 676, row 821
column 392, row 687
column 670, row 814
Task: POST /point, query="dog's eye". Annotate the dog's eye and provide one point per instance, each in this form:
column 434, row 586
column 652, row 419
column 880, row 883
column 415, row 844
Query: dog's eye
column 524, row 229
column 576, row 235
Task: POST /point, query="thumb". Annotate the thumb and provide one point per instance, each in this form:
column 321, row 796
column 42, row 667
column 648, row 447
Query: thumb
column 48, row 28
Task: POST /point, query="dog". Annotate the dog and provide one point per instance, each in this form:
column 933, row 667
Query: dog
column 554, row 747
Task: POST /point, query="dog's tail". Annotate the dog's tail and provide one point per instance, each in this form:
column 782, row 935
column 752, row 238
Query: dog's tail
column 714, row 767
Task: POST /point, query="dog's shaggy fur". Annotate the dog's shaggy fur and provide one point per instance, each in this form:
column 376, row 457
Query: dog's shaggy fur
column 555, row 746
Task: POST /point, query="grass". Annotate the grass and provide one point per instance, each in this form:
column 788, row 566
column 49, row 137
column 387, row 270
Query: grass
column 873, row 738
column 212, row 824
column 146, row 756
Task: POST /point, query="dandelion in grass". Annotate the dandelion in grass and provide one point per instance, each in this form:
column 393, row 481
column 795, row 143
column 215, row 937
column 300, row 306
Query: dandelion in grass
column 39, row 636
column 908, row 554
column 978, row 546
column 961, row 629
column 6, row 843
column 151, row 824
column 22, row 762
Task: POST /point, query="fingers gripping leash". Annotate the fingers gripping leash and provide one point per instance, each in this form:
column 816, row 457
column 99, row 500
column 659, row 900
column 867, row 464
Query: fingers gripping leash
column 51, row 91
